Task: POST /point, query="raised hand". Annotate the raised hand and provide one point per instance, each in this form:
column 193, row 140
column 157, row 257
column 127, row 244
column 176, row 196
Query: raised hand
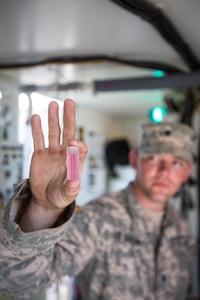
column 51, row 192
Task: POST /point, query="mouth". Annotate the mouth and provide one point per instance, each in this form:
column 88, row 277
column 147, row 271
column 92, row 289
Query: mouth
column 162, row 185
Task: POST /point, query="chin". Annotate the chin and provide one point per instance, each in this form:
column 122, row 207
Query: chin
column 159, row 198
column 161, row 194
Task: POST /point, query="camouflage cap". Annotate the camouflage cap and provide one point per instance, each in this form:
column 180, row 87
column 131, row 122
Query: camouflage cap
column 172, row 138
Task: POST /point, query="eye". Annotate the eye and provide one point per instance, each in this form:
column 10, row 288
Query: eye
column 177, row 163
column 153, row 158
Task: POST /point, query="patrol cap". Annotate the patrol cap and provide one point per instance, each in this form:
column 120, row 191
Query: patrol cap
column 172, row 138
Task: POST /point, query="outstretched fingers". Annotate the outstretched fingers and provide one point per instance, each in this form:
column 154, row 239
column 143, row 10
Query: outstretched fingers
column 38, row 137
column 54, row 126
column 69, row 121
column 51, row 187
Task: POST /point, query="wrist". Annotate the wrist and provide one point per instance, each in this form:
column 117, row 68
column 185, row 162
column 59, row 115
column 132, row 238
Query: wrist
column 37, row 217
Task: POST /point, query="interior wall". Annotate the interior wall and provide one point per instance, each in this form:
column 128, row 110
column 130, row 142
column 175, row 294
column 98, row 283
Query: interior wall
column 129, row 127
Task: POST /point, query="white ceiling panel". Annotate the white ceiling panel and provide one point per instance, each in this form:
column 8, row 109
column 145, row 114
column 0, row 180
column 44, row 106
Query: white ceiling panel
column 34, row 31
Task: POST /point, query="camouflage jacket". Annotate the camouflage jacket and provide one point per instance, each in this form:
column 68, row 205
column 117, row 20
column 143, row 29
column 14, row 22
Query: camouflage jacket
column 111, row 246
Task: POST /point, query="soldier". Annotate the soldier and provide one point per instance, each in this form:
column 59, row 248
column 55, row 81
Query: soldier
column 128, row 245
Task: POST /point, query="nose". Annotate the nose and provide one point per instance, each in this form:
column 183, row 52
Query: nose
column 164, row 167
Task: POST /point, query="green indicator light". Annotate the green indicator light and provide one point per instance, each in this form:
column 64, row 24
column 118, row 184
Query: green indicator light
column 157, row 114
column 158, row 73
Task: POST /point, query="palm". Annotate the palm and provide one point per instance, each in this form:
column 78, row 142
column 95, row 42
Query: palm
column 48, row 166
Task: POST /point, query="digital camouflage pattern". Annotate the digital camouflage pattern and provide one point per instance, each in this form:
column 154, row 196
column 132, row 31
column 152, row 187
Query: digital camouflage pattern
column 174, row 138
column 110, row 245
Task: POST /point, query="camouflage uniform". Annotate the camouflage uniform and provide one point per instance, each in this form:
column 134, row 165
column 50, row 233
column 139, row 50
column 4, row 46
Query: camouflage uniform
column 110, row 245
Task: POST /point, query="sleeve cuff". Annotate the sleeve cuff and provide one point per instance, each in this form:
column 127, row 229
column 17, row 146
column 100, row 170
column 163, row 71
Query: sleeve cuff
column 40, row 238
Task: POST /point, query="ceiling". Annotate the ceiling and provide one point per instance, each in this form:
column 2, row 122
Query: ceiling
column 79, row 48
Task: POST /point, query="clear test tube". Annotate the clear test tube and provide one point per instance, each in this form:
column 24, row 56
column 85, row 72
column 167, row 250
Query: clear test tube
column 72, row 163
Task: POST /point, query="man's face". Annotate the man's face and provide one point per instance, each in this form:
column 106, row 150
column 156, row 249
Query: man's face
column 160, row 176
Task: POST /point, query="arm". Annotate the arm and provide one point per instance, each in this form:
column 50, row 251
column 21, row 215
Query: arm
column 29, row 262
column 30, row 236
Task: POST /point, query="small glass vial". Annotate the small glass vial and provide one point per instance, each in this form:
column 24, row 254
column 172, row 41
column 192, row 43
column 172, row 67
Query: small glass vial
column 72, row 163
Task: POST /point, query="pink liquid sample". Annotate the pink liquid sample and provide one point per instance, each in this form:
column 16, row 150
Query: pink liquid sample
column 72, row 163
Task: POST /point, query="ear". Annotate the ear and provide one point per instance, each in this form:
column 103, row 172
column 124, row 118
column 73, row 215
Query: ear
column 187, row 172
column 133, row 155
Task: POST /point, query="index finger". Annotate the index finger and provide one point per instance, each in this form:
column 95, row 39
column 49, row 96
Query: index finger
column 38, row 137
column 69, row 121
